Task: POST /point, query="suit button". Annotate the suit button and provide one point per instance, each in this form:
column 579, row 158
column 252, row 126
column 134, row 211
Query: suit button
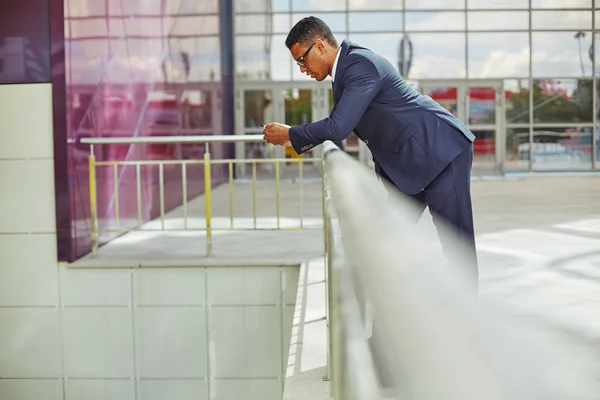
column 366, row 142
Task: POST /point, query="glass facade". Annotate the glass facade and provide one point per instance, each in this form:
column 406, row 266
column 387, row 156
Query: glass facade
column 138, row 68
column 24, row 42
column 537, row 53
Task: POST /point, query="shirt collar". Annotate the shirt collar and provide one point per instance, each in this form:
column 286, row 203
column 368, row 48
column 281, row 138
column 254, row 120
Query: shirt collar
column 337, row 57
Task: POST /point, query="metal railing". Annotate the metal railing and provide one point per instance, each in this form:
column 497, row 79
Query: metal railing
column 399, row 314
column 207, row 161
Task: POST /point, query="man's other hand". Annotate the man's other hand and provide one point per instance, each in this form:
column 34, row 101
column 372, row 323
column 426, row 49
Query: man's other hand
column 276, row 133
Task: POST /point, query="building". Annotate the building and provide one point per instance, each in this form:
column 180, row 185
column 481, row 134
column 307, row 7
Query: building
column 521, row 73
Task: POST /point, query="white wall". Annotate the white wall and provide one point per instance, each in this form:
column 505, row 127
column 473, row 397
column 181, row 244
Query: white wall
column 121, row 334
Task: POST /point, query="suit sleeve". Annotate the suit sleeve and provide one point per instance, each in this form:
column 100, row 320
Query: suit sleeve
column 362, row 83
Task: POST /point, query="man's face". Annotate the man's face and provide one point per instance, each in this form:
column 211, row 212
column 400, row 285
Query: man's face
column 311, row 59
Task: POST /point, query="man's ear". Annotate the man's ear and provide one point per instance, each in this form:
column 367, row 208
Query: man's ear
column 321, row 46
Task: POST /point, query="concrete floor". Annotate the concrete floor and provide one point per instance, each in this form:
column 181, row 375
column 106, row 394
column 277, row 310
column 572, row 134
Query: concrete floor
column 538, row 242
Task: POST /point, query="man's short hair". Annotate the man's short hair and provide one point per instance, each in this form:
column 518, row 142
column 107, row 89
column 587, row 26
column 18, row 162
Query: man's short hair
column 309, row 29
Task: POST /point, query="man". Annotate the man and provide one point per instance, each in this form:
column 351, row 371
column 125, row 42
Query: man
column 417, row 145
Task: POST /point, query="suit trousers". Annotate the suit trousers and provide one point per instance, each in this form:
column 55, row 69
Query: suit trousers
column 448, row 197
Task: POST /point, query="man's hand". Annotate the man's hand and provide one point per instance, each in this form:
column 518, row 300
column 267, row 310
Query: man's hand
column 278, row 134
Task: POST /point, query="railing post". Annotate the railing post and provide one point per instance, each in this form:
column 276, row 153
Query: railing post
column 207, row 193
column 93, row 204
column 328, row 283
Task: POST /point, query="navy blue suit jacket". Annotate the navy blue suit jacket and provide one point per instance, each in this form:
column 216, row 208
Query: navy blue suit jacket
column 412, row 138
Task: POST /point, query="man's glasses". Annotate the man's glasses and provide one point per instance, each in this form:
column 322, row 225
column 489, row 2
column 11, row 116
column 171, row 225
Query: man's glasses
column 300, row 60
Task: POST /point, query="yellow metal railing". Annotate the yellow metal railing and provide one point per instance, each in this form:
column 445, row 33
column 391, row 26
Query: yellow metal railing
column 207, row 162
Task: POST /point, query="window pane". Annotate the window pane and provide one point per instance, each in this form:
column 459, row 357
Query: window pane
column 335, row 21
column 385, row 44
column 561, row 4
column 322, row 5
column 281, row 23
column 374, row 5
column 196, row 25
column 517, row 149
column 375, row 21
column 562, row 101
column 493, row 55
column 435, row 55
column 497, row 20
column 500, row 4
column 261, row 57
column 258, row 108
column 435, row 21
column 561, row 20
column 262, row 23
column 516, row 93
column 561, row 148
column 204, row 55
column 561, row 54
column 254, row 23
column 435, row 4
column 245, row 6
column 190, row 7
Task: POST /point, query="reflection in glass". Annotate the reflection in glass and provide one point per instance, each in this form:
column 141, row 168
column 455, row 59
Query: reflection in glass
column 561, row 54
column 202, row 61
column 258, row 108
column 262, row 57
column 196, row 110
column 517, row 150
column 561, row 148
column 484, row 151
column 437, row 55
column 497, row 20
column 446, row 96
column 265, row 6
column 564, row 19
column 516, row 94
column 192, row 7
column 335, row 21
column 561, row 3
column 494, row 55
column 24, row 42
column 566, row 100
column 435, row 4
column 499, row 4
column 125, row 77
column 252, row 23
column 375, row 21
column 196, row 25
column 374, row 5
column 435, row 21
column 481, row 105
column 298, row 106
column 281, row 23
column 322, row 5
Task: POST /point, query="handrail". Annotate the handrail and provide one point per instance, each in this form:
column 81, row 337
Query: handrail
column 439, row 341
column 206, row 161
column 173, row 139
